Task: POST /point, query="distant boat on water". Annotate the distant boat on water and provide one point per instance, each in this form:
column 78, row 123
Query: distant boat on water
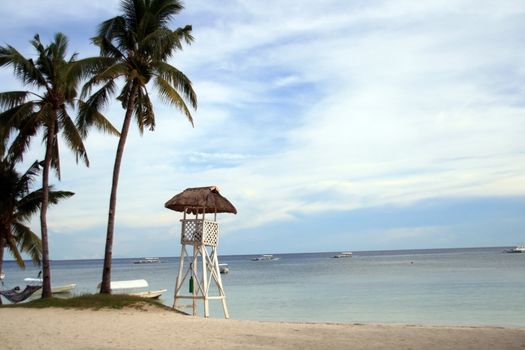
column 2, row 276
column 343, row 255
column 224, row 268
column 265, row 257
column 147, row 261
column 520, row 248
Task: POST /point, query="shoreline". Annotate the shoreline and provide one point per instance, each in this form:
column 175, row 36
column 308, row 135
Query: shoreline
column 55, row 328
column 401, row 251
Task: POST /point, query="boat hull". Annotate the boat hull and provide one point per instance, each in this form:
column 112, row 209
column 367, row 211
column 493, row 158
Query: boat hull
column 65, row 289
column 266, row 257
column 520, row 248
column 343, row 255
column 148, row 261
column 154, row 294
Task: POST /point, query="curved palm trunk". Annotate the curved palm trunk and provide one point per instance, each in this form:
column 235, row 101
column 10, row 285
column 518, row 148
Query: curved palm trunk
column 105, row 286
column 46, row 270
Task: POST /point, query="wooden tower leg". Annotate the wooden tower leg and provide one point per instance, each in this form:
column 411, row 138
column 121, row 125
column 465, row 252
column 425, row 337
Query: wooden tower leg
column 205, row 283
column 195, row 277
column 180, row 277
column 218, row 280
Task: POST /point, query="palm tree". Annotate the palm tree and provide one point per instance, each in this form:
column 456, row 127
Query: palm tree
column 17, row 205
column 140, row 43
column 55, row 80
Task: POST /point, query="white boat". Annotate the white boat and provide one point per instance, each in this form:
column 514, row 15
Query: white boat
column 265, row 257
column 147, row 261
column 224, row 268
column 132, row 287
column 63, row 289
column 343, row 255
column 520, row 248
column 2, row 276
column 66, row 288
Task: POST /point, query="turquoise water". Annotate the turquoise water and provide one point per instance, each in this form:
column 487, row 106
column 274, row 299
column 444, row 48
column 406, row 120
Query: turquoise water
column 434, row 287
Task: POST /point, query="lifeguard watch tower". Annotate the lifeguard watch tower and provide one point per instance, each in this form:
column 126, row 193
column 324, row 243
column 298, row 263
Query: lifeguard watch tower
column 199, row 263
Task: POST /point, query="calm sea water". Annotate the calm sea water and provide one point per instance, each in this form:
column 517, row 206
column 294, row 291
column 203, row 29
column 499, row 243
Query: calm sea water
column 435, row 287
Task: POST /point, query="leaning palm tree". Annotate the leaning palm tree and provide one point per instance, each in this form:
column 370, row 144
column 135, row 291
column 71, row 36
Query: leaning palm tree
column 140, row 43
column 17, row 205
column 55, row 80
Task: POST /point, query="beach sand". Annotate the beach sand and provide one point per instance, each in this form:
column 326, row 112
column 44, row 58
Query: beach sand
column 55, row 328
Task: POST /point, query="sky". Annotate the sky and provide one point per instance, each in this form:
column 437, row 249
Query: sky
column 331, row 126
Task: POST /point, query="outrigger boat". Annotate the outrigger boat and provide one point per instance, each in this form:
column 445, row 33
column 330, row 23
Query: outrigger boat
column 147, row 261
column 63, row 289
column 265, row 257
column 130, row 287
column 343, row 255
column 224, row 268
column 520, row 248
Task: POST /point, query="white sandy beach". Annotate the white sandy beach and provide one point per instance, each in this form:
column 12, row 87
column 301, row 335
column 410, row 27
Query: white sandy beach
column 157, row 329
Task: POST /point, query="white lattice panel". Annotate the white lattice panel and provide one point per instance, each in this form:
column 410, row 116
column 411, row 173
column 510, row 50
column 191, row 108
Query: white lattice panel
column 200, row 232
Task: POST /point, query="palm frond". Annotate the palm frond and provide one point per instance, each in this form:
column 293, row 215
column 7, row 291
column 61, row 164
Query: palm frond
column 133, row 11
column 27, row 179
column 125, row 94
column 13, row 120
column 37, row 44
column 88, row 67
column 144, row 115
column 19, row 146
column 56, row 196
column 171, row 96
column 8, row 191
column 55, row 158
column 58, row 48
column 31, row 203
column 29, row 124
column 18, row 115
column 106, row 77
column 23, row 68
column 43, row 62
column 11, row 245
column 184, row 34
column 90, row 116
column 28, row 242
column 178, row 80
column 73, row 138
column 160, row 44
column 28, row 206
column 12, row 99
column 161, row 13
column 112, row 29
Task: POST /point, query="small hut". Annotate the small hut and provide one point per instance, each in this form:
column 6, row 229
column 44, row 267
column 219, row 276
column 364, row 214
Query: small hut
column 201, row 233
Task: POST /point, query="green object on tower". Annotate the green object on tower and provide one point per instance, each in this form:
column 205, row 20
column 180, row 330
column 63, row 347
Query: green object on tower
column 191, row 284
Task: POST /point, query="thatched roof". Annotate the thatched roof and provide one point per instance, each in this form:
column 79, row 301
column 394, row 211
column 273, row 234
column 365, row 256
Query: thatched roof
column 201, row 197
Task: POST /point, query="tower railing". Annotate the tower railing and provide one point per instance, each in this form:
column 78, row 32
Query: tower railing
column 200, row 231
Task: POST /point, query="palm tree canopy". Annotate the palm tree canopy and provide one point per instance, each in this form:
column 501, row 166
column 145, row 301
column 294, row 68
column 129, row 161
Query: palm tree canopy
column 139, row 43
column 55, row 79
column 17, row 205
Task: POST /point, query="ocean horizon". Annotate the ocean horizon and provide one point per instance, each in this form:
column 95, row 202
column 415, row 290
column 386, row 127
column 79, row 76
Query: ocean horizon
column 451, row 286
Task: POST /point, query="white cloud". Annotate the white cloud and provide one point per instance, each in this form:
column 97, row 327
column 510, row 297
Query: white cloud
column 30, row 12
column 308, row 106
